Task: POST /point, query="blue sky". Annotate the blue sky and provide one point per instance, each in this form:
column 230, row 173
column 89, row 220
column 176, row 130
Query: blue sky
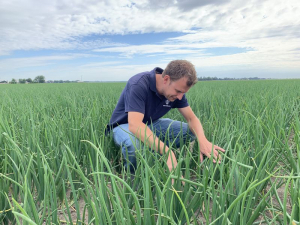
column 113, row 40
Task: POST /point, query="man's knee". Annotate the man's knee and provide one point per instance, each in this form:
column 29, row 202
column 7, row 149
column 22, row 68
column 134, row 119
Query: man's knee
column 173, row 131
column 131, row 144
column 128, row 143
column 129, row 148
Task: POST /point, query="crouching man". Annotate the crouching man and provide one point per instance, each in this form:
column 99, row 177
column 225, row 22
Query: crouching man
column 147, row 97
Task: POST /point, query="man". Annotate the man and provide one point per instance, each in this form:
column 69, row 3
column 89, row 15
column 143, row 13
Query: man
column 146, row 98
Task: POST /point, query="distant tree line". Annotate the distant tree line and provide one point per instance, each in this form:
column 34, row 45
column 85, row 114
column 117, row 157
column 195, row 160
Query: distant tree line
column 37, row 79
column 228, row 78
column 62, row 81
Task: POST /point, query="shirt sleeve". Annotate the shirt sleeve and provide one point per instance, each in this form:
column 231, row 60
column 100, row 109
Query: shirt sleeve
column 135, row 99
column 181, row 103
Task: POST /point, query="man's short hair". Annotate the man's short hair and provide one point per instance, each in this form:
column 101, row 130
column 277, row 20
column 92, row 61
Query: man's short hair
column 177, row 69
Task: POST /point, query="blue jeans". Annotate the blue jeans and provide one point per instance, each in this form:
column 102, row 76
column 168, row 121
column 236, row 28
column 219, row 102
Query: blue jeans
column 173, row 131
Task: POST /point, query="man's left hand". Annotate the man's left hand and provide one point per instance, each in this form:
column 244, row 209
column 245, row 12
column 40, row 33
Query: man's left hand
column 206, row 149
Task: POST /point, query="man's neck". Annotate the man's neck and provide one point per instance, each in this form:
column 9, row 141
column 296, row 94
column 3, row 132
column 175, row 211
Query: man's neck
column 158, row 80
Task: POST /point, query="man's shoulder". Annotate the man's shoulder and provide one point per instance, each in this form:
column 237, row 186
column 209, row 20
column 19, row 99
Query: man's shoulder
column 145, row 80
column 145, row 77
column 140, row 78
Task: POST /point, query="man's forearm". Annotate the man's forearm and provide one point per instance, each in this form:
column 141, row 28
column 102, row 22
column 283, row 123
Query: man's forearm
column 205, row 147
column 143, row 132
column 197, row 129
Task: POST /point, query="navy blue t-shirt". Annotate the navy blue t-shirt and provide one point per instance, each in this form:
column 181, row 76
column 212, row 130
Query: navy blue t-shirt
column 140, row 95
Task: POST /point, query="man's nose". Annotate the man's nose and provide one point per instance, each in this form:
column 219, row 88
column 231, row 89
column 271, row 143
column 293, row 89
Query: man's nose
column 179, row 96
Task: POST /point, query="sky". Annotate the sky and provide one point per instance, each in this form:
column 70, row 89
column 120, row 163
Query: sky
column 112, row 40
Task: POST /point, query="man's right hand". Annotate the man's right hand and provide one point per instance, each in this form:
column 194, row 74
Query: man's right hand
column 172, row 161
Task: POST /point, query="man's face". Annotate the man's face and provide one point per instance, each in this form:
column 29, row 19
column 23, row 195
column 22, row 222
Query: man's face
column 174, row 89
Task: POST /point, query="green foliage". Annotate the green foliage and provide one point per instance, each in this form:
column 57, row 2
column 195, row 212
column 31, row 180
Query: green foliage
column 13, row 81
column 22, row 81
column 57, row 166
column 39, row 79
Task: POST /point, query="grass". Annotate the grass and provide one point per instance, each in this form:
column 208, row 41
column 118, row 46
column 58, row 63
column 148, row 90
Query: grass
column 58, row 167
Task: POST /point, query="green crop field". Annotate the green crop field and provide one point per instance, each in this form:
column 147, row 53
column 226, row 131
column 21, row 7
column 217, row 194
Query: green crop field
column 58, row 167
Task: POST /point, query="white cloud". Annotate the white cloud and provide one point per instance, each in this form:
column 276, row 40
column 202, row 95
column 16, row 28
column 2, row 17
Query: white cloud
column 270, row 29
column 33, row 24
column 167, row 49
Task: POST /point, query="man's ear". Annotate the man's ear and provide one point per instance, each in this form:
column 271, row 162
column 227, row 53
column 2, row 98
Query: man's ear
column 166, row 79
